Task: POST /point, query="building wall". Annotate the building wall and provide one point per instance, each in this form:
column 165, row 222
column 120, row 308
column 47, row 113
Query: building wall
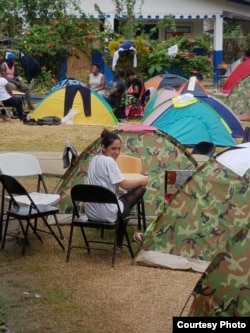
column 181, row 8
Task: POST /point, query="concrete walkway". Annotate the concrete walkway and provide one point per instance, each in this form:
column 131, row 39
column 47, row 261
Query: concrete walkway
column 50, row 162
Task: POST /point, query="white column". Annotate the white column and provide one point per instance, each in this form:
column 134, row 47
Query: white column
column 218, row 33
column 218, row 46
column 109, row 22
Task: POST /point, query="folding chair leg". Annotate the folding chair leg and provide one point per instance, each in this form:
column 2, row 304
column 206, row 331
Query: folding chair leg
column 5, row 233
column 69, row 244
column 25, row 233
column 58, row 227
column 34, row 231
column 52, row 232
column 2, row 214
column 85, row 239
column 141, row 214
column 113, row 255
column 144, row 222
column 129, row 245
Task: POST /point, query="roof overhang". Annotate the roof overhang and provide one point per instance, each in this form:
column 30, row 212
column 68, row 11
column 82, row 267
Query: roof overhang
column 241, row 2
column 236, row 16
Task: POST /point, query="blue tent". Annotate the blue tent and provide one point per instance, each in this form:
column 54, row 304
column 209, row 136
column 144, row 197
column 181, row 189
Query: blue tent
column 227, row 114
column 66, row 82
column 194, row 87
column 191, row 123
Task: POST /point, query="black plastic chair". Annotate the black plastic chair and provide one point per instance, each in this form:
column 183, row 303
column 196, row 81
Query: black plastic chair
column 29, row 212
column 204, row 148
column 82, row 193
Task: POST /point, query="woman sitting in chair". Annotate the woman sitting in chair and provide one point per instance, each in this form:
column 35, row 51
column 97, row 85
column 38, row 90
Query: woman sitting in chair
column 104, row 171
column 7, row 99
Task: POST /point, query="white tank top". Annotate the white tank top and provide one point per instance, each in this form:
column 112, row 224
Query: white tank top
column 95, row 81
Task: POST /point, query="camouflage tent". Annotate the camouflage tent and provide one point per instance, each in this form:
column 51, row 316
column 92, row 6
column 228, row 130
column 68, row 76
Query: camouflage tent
column 158, row 152
column 223, row 289
column 209, row 208
column 239, row 99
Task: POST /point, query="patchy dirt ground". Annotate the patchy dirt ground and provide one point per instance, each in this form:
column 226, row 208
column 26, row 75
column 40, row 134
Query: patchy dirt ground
column 42, row 293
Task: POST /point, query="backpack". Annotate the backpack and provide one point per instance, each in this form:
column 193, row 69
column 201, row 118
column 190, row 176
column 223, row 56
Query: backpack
column 50, row 120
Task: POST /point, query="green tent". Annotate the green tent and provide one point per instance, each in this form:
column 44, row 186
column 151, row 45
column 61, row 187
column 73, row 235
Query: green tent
column 158, row 152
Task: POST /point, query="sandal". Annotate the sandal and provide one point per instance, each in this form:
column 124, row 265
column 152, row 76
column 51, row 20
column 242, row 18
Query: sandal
column 138, row 236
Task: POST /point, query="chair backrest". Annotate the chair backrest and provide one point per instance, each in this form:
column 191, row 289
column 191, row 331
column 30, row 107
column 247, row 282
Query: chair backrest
column 13, row 187
column 129, row 164
column 19, row 164
column 204, row 148
column 93, row 193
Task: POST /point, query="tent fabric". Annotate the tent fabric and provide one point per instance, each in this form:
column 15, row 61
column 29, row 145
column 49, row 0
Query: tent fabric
column 85, row 105
column 157, row 99
column 184, row 100
column 66, row 82
column 170, row 81
column 196, row 223
column 239, row 99
column 226, row 113
column 236, row 160
column 240, row 72
column 192, row 124
column 194, row 87
column 158, row 153
column 223, row 289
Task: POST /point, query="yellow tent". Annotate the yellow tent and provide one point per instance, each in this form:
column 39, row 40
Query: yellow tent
column 76, row 105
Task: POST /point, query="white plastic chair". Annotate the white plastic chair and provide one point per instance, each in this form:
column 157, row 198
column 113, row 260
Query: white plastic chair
column 24, row 165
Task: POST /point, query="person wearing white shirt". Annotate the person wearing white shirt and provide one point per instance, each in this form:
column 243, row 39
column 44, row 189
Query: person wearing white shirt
column 104, row 171
column 96, row 80
column 7, row 99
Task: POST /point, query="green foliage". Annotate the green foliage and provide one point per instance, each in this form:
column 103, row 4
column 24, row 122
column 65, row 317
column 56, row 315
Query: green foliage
column 185, row 63
column 53, row 34
column 157, row 62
